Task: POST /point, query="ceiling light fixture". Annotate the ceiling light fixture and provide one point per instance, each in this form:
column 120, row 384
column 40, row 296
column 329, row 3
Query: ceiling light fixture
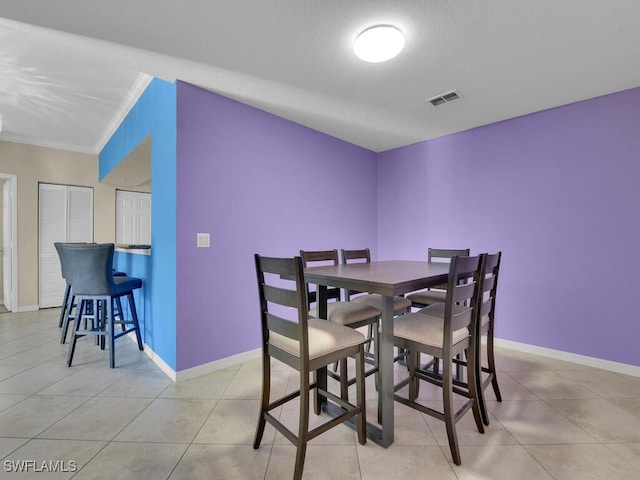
column 379, row 43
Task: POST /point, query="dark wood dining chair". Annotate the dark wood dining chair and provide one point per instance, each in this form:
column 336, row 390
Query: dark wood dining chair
column 485, row 323
column 485, row 312
column 307, row 345
column 423, row 298
column 444, row 330
column 429, row 296
column 349, row 314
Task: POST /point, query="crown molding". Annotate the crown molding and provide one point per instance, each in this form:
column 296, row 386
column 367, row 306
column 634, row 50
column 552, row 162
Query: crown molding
column 139, row 86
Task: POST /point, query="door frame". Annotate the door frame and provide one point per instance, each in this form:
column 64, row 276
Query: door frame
column 12, row 180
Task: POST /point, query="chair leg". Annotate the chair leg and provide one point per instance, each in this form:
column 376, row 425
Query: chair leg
column 344, row 388
column 110, row 332
column 479, row 385
column 264, row 405
column 98, row 321
column 475, row 388
column 120, row 313
column 134, row 318
column 492, row 367
column 67, row 316
column 413, row 358
column 482, row 405
column 369, row 337
column 74, row 330
column 449, row 413
column 320, row 378
column 63, row 309
column 303, row 426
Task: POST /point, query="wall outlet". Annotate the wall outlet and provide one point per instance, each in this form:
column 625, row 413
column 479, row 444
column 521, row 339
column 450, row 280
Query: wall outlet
column 203, row 240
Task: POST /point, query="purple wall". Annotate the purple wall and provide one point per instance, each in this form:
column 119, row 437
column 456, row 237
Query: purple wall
column 557, row 192
column 258, row 184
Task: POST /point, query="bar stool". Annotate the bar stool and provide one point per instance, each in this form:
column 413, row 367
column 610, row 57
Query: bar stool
column 68, row 301
column 89, row 270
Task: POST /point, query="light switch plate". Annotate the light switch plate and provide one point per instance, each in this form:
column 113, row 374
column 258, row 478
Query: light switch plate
column 203, row 240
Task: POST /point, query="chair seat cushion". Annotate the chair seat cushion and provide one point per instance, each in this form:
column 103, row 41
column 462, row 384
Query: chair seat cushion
column 126, row 284
column 374, row 300
column 427, row 297
column 347, row 313
column 425, row 329
column 324, row 338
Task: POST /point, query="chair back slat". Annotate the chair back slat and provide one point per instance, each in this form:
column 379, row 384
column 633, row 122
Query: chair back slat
column 355, row 256
column 445, row 255
column 282, row 326
column 279, row 266
column 462, row 320
column 281, row 296
column 321, row 257
column 462, row 290
column 363, row 255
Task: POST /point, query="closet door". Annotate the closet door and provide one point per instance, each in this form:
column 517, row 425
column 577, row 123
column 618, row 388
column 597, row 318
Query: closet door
column 80, row 214
column 65, row 215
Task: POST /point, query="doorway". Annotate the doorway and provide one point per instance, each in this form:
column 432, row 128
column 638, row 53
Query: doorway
column 8, row 257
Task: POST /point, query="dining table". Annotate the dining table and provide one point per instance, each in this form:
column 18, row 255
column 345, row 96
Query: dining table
column 387, row 278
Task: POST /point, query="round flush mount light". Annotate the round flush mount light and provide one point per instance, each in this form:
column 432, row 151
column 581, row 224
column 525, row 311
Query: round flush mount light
column 379, row 43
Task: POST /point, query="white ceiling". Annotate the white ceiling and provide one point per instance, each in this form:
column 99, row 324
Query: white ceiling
column 69, row 69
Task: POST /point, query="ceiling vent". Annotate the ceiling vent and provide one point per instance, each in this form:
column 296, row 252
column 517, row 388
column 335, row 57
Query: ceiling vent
column 444, row 98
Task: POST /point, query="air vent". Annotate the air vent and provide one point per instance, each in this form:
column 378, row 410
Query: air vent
column 444, row 98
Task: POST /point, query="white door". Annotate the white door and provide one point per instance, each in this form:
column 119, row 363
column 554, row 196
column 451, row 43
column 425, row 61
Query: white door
column 7, row 246
column 65, row 215
column 133, row 217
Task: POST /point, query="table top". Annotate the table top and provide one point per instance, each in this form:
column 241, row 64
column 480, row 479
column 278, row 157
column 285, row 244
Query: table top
column 391, row 277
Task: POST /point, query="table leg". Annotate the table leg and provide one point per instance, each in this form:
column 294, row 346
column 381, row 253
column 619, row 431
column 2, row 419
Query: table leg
column 386, row 372
column 321, row 375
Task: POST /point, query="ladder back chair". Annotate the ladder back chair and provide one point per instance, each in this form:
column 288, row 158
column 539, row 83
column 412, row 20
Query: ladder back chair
column 444, row 330
column 307, row 345
column 485, row 324
column 485, row 313
column 349, row 314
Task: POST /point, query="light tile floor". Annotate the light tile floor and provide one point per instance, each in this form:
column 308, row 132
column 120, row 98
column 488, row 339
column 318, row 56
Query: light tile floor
column 558, row 421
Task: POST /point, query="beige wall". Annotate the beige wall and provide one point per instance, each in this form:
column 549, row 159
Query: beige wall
column 32, row 164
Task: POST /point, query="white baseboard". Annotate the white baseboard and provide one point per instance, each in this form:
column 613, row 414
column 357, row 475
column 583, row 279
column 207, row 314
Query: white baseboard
column 189, row 373
column 222, row 364
column 571, row 357
column 234, row 360
column 27, row 308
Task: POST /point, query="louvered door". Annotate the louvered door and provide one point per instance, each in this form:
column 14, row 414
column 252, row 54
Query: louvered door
column 65, row 215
